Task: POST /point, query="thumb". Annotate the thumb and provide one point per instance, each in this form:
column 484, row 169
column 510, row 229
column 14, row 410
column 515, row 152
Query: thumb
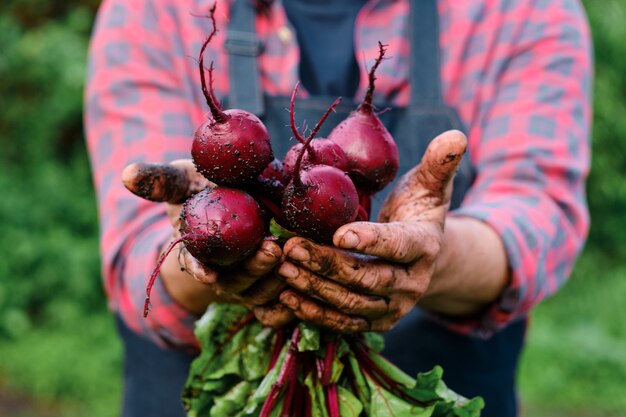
column 172, row 183
column 425, row 190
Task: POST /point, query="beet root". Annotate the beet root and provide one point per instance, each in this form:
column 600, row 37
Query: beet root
column 221, row 226
column 320, row 152
column 370, row 147
column 367, row 143
column 322, row 201
column 233, row 152
column 232, row 147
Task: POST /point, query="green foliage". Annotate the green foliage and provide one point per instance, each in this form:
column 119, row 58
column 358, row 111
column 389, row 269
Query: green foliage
column 606, row 190
column 576, row 351
column 56, row 337
column 52, row 310
column 48, row 209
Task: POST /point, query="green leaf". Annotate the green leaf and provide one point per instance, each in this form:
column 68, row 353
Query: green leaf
column 233, row 401
column 374, row 340
column 318, row 401
column 309, row 338
column 384, row 403
column 362, row 389
column 349, row 405
column 256, row 400
column 469, row 408
column 280, row 232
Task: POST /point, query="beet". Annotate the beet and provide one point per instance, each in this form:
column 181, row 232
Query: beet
column 320, row 198
column 319, row 151
column 367, row 143
column 219, row 227
column 270, row 188
column 322, row 201
column 323, row 152
column 224, row 225
column 232, row 147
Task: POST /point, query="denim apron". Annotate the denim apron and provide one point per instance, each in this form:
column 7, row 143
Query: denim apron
column 154, row 377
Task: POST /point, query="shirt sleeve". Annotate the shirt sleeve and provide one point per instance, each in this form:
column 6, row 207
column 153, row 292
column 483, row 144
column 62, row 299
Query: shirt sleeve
column 531, row 150
column 138, row 108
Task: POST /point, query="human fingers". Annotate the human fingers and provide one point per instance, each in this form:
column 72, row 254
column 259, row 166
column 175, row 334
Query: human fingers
column 363, row 272
column 195, row 268
column 172, row 183
column 425, row 190
column 313, row 312
column 264, row 259
column 264, row 290
column 273, row 315
column 257, row 265
column 344, row 299
column 402, row 242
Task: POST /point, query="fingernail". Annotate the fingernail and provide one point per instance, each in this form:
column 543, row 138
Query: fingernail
column 289, row 300
column 298, row 253
column 288, row 270
column 350, row 240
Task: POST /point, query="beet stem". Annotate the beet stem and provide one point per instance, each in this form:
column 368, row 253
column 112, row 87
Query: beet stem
column 366, row 106
column 307, row 145
column 155, row 273
column 292, row 115
column 278, row 344
column 331, row 348
column 319, row 124
column 381, row 378
column 287, row 369
column 216, row 109
column 332, row 401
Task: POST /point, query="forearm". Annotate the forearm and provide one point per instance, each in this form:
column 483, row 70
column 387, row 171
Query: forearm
column 471, row 271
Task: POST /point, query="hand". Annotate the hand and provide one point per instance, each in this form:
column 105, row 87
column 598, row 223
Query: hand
column 250, row 283
column 377, row 272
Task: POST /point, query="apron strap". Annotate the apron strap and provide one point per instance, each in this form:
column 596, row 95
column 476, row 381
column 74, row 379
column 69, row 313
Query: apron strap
column 425, row 56
column 243, row 48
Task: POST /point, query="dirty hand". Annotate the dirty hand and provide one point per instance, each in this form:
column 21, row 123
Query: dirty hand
column 251, row 283
column 376, row 272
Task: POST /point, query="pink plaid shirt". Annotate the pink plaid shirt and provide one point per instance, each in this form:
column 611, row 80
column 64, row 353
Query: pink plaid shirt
column 518, row 72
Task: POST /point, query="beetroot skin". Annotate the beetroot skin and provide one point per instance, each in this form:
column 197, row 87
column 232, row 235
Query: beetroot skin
column 221, row 226
column 370, row 147
column 320, row 152
column 322, row 201
column 233, row 152
column 367, row 143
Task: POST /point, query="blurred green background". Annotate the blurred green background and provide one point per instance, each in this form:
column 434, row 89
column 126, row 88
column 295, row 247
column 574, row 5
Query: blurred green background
column 59, row 355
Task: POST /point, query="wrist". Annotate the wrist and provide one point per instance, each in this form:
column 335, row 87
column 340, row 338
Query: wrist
column 471, row 270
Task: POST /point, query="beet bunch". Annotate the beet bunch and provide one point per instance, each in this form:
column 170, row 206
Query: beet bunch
column 320, row 185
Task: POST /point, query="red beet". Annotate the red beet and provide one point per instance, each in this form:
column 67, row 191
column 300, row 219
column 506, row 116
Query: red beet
column 224, row 225
column 270, row 188
column 319, row 151
column 367, row 143
column 232, row 147
column 272, row 181
column 320, row 198
column 219, row 227
column 322, row 201
column 274, row 171
column 324, row 151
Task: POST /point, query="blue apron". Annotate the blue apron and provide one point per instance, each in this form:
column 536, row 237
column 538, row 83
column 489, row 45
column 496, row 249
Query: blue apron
column 154, row 377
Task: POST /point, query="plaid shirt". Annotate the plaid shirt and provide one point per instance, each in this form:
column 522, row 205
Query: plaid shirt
column 518, row 72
